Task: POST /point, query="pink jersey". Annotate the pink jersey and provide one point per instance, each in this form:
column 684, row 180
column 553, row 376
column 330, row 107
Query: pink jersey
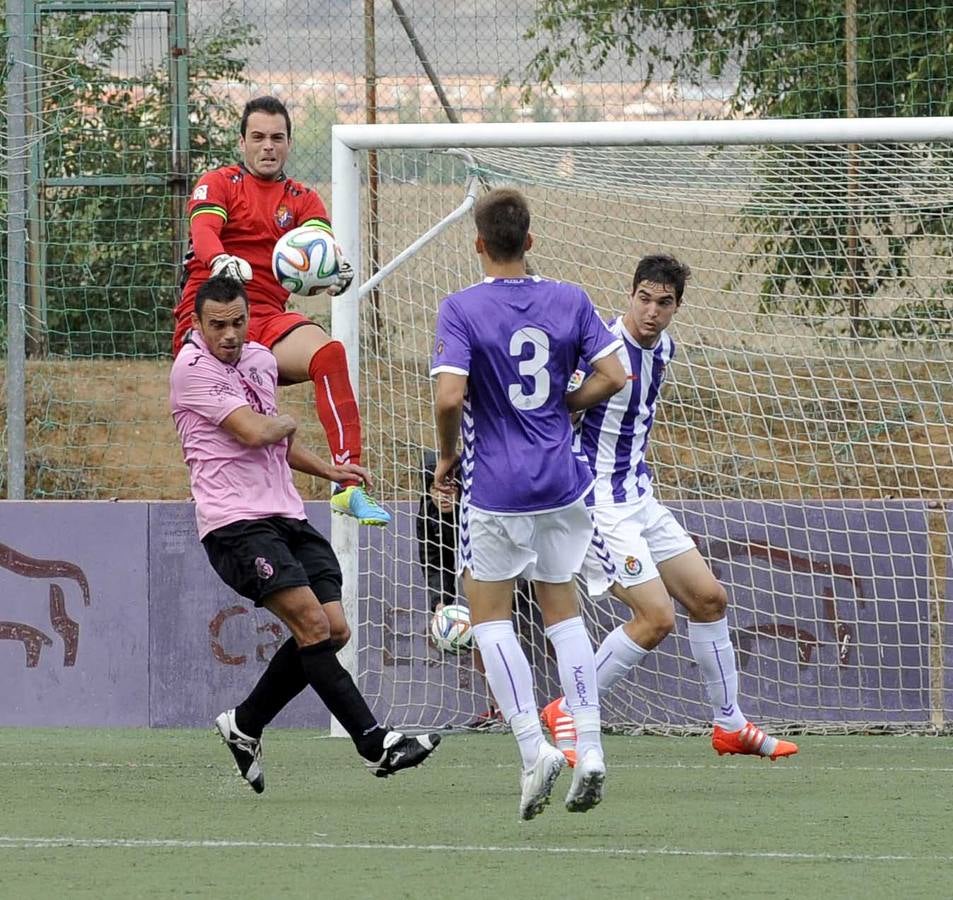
column 230, row 482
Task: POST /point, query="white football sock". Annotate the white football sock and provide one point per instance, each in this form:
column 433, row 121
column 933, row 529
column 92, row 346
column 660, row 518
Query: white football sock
column 511, row 682
column 712, row 649
column 577, row 675
column 617, row 655
column 529, row 736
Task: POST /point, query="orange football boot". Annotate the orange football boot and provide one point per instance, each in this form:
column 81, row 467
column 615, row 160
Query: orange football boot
column 562, row 728
column 751, row 741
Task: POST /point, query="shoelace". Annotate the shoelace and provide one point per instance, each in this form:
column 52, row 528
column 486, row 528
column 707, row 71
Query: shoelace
column 251, row 747
column 373, row 504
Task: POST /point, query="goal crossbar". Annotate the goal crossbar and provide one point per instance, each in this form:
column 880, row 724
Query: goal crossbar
column 594, row 134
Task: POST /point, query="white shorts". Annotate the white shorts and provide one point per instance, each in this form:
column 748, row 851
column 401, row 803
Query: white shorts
column 547, row 546
column 629, row 542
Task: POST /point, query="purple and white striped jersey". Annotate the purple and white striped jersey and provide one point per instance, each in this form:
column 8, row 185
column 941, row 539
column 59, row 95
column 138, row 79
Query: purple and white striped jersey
column 518, row 341
column 614, row 435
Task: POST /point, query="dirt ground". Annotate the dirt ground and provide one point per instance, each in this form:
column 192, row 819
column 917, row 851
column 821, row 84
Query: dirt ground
column 101, row 429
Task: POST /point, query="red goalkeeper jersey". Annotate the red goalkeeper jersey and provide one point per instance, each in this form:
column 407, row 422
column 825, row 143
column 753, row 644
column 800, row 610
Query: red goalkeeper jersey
column 231, row 211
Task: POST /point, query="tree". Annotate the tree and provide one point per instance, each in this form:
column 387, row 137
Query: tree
column 109, row 272
column 781, row 60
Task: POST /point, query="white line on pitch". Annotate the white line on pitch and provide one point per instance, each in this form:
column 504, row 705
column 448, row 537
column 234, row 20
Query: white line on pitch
column 713, row 766
column 12, row 764
column 790, row 766
column 8, row 842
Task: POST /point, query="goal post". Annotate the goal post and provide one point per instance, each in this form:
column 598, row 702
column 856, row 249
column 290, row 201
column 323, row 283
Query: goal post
column 803, row 437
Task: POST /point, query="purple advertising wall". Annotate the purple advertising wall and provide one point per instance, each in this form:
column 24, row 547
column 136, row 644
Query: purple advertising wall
column 829, row 609
column 946, row 573
column 74, row 613
column 111, row 615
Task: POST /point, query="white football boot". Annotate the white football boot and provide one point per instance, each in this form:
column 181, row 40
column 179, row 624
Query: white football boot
column 588, row 779
column 538, row 780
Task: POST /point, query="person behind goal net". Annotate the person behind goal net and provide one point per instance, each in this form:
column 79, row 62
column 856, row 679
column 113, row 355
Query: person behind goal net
column 236, row 214
column 639, row 551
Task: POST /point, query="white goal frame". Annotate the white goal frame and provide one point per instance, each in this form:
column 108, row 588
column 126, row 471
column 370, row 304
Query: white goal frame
column 349, row 141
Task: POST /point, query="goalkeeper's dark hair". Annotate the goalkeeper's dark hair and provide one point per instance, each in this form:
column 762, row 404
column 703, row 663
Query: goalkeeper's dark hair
column 662, row 269
column 219, row 289
column 271, row 105
column 502, row 220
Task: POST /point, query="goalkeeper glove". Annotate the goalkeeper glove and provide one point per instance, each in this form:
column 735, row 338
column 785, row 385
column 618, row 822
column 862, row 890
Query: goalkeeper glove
column 233, row 267
column 345, row 274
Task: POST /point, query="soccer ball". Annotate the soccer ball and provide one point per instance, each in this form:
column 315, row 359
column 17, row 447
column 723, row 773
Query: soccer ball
column 304, row 261
column 450, row 629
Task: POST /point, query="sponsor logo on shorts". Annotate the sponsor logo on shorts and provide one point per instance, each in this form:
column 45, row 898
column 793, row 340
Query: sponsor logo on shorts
column 264, row 568
column 632, row 566
column 283, row 216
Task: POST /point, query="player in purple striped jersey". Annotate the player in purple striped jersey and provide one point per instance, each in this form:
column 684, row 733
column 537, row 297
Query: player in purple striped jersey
column 640, row 551
column 504, row 353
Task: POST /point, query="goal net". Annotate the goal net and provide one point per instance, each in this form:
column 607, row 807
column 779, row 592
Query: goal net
column 802, row 437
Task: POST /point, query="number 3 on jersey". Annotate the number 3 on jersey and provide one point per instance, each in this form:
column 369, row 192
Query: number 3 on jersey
column 534, row 368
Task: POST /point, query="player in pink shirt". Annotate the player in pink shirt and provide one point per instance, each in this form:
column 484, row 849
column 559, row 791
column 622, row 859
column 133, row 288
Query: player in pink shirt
column 252, row 523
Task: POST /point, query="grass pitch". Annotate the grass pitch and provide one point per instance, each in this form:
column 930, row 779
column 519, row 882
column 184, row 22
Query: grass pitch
column 135, row 813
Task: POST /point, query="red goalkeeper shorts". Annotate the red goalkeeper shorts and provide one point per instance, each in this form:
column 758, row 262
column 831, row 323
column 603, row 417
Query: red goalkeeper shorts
column 267, row 328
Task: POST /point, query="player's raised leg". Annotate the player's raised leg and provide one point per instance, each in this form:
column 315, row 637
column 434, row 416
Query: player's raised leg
column 637, row 584
column 689, row 579
column 306, row 353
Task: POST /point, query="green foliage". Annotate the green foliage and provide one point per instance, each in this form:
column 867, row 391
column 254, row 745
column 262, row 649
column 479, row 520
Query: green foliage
column 787, row 60
column 914, row 320
column 110, row 270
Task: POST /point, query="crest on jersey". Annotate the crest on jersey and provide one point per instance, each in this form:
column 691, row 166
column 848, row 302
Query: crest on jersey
column 200, row 192
column 439, row 348
column 632, row 566
column 283, row 216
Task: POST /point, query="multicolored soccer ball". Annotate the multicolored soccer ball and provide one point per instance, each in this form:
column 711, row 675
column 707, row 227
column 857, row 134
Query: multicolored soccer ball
column 450, row 629
column 304, row 261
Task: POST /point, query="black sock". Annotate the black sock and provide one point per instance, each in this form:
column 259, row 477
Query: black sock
column 279, row 684
column 334, row 685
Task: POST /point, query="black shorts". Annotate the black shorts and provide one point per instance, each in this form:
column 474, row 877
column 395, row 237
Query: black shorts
column 256, row 557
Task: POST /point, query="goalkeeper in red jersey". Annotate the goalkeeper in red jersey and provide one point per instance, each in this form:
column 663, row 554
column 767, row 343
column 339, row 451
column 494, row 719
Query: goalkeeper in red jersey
column 236, row 214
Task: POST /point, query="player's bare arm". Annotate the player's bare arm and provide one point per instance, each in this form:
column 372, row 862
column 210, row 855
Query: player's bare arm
column 608, row 378
column 303, row 460
column 448, row 405
column 252, row 429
